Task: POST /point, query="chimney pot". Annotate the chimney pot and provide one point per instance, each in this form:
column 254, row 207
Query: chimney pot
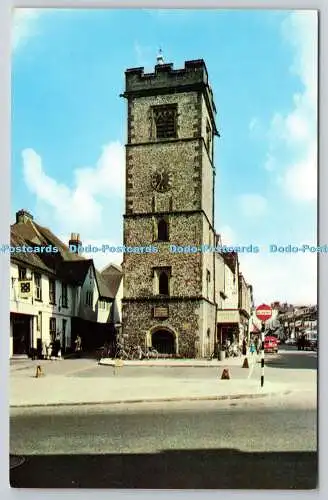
column 75, row 240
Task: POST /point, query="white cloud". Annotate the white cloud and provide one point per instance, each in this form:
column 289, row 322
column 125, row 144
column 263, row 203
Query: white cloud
column 252, row 205
column 296, row 132
column 287, row 277
column 78, row 208
column 284, row 276
column 108, row 175
column 300, row 179
column 24, row 25
column 228, row 236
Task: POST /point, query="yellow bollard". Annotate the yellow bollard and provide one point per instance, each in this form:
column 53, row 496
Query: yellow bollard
column 38, row 371
column 118, row 364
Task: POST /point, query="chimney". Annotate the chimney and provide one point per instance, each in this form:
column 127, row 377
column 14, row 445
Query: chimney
column 75, row 240
column 22, row 216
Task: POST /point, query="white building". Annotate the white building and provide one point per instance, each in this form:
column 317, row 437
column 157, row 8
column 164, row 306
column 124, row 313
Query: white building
column 234, row 298
column 55, row 292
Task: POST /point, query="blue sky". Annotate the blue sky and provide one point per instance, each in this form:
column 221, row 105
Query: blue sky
column 69, row 129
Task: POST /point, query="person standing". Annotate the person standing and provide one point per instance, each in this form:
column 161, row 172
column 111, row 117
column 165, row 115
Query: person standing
column 44, row 350
column 257, row 344
column 244, row 347
column 78, row 345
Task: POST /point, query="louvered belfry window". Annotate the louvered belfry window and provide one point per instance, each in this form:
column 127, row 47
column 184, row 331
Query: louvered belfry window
column 165, row 118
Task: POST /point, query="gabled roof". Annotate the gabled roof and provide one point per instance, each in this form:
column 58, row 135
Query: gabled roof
column 65, row 265
column 112, row 269
column 112, row 275
column 104, row 287
column 75, row 271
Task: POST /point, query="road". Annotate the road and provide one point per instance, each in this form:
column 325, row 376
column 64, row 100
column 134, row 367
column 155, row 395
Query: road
column 259, row 444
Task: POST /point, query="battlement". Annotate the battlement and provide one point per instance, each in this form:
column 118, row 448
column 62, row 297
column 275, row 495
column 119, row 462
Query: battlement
column 166, row 78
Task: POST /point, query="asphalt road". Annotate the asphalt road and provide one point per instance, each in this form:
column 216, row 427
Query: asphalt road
column 264, row 444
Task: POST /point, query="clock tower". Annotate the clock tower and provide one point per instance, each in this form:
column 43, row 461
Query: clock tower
column 169, row 284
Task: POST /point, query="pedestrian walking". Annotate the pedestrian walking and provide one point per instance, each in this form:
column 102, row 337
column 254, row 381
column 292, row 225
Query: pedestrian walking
column 49, row 350
column 57, row 347
column 257, row 344
column 78, row 345
column 244, row 347
column 252, row 348
column 44, row 350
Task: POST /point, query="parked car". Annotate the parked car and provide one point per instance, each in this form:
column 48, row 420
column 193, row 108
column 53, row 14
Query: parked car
column 270, row 344
column 311, row 340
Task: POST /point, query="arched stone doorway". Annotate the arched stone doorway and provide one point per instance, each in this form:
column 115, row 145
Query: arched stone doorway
column 164, row 341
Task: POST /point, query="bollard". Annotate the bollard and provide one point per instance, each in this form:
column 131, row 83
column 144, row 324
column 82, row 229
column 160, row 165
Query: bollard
column 245, row 363
column 262, row 354
column 38, row 371
column 118, row 364
column 225, row 374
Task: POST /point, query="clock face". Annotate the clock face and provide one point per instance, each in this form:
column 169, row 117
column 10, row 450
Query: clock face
column 161, row 180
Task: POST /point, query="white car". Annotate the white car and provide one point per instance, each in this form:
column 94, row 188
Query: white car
column 290, row 342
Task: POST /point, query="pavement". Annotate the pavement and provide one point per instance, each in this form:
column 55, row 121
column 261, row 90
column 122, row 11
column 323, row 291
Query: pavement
column 60, row 384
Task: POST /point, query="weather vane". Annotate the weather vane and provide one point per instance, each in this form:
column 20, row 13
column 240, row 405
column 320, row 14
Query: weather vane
column 160, row 59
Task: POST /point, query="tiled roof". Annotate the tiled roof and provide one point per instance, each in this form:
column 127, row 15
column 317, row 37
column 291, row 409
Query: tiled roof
column 40, row 261
column 105, row 287
column 65, row 265
column 75, row 271
column 112, row 275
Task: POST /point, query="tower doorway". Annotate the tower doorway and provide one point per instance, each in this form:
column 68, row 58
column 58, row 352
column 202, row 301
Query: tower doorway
column 164, row 342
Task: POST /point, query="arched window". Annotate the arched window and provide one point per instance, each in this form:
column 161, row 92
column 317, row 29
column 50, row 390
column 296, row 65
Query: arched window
column 163, row 284
column 162, row 230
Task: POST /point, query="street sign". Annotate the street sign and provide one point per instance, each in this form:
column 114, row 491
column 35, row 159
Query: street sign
column 263, row 312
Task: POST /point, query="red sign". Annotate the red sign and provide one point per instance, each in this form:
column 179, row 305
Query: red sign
column 263, row 312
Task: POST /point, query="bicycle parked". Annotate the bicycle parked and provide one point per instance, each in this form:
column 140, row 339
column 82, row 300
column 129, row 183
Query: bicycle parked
column 138, row 353
column 121, row 353
column 127, row 354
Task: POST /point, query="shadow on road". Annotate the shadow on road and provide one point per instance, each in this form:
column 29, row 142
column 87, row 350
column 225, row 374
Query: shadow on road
column 171, row 469
column 308, row 361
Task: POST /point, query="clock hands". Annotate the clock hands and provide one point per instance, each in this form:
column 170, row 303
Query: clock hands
column 161, row 180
